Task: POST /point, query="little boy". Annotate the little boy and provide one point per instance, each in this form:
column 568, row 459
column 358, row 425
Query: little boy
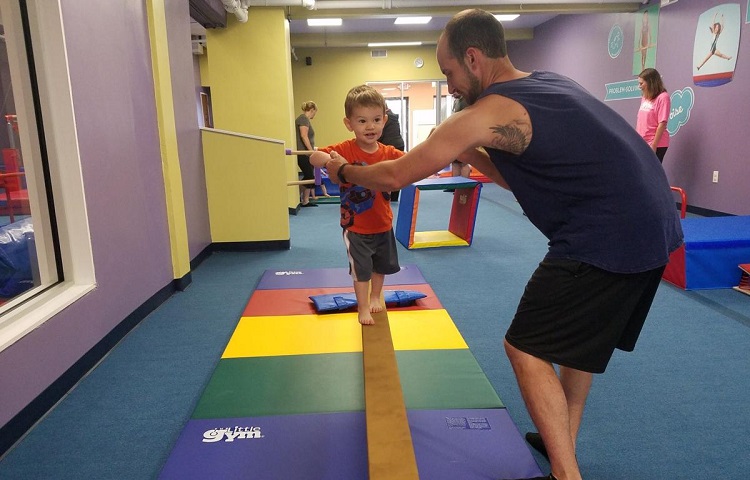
column 366, row 216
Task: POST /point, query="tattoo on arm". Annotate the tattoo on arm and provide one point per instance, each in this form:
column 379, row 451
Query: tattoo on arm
column 512, row 138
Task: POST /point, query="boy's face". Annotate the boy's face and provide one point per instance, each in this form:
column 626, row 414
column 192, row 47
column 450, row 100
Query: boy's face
column 367, row 124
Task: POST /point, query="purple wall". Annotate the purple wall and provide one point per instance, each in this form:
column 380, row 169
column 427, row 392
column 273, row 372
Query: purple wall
column 714, row 138
column 113, row 95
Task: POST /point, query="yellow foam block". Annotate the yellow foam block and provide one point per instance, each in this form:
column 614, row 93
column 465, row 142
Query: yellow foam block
column 339, row 333
column 439, row 238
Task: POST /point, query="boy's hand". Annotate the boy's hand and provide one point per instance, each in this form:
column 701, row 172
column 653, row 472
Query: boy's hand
column 333, row 166
column 319, row 159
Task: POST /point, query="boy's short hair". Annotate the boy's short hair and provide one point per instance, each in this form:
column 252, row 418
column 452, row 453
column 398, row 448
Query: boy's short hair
column 363, row 96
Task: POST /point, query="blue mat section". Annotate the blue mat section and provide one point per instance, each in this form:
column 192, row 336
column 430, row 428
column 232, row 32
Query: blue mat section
column 717, row 232
column 714, row 247
column 473, row 444
column 330, row 278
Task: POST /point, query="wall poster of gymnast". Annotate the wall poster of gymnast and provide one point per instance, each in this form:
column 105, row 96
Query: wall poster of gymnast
column 717, row 41
column 646, row 32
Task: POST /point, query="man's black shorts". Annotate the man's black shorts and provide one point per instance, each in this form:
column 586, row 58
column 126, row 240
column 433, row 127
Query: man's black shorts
column 574, row 314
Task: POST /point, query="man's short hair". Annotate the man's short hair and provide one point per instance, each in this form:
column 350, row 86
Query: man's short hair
column 475, row 28
column 363, row 96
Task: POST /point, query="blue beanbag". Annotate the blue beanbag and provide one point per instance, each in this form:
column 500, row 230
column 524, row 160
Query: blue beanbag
column 342, row 301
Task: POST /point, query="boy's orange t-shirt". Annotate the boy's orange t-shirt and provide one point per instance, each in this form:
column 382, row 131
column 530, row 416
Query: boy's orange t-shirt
column 362, row 210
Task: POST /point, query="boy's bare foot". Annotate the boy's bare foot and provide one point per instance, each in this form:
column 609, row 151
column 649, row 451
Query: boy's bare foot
column 375, row 305
column 366, row 319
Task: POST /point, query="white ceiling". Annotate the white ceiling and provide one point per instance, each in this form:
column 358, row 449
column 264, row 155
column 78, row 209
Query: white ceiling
column 367, row 21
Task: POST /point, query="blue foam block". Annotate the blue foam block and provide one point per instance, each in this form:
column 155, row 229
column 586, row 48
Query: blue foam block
column 714, row 246
column 343, row 301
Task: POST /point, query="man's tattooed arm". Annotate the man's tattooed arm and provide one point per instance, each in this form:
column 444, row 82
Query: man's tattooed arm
column 512, row 138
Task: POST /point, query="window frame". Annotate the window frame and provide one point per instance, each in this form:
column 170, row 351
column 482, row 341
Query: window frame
column 65, row 185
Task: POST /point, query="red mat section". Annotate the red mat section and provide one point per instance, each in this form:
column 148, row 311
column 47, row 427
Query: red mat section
column 296, row 301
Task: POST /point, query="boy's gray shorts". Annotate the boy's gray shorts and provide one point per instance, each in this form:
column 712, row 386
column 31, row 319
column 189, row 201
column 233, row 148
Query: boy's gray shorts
column 372, row 253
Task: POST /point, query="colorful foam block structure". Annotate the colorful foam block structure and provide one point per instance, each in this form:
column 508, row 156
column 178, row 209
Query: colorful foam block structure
column 463, row 214
column 744, row 285
column 713, row 248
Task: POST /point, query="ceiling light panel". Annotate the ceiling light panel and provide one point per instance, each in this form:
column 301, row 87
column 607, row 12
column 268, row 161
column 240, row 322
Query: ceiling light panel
column 324, row 22
column 394, row 44
column 506, row 18
column 412, row 20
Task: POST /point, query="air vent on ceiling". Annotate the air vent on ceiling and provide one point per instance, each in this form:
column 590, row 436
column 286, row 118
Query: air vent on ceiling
column 379, row 53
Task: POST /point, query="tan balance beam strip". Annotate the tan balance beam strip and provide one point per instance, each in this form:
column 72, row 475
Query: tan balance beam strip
column 390, row 450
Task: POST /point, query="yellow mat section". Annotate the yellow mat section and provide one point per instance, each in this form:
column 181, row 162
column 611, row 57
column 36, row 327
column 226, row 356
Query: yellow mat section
column 440, row 238
column 339, row 333
column 424, row 330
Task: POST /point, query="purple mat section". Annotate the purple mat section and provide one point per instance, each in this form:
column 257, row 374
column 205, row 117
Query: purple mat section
column 469, row 445
column 321, row 447
column 472, row 444
column 330, row 278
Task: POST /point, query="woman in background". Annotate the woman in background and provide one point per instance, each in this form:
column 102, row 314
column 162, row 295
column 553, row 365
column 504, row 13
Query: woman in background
column 392, row 136
column 653, row 114
column 306, row 141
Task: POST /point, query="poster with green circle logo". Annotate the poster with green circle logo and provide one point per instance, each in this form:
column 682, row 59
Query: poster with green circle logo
column 615, row 41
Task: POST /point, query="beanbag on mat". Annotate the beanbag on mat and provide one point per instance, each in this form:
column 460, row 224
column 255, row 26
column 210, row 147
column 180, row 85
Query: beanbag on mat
column 341, row 301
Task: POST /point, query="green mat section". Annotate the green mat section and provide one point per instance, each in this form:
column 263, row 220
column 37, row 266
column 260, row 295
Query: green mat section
column 284, row 385
column 444, row 379
column 294, row 384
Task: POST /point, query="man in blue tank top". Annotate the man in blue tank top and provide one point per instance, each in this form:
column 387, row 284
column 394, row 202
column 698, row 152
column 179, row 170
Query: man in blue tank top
column 592, row 186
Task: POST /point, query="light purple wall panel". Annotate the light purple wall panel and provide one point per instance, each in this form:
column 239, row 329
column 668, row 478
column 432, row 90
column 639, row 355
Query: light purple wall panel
column 184, row 92
column 113, row 95
column 715, row 137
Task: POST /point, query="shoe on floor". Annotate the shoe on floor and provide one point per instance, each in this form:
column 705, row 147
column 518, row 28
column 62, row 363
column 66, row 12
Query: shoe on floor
column 535, row 440
column 309, row 204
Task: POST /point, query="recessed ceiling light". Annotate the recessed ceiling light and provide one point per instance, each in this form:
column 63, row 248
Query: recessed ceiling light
column 394, row 44
column 323, row 22
column 506, row 18
column 412, row 20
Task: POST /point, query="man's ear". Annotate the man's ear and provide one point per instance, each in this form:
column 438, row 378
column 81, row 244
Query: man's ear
column 348, row 124
column 471, row 58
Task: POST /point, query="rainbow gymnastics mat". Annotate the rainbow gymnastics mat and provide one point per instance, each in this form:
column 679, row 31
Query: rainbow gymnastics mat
column 286, row 401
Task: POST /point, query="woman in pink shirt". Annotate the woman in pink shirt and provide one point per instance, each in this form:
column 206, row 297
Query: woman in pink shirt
column 653, row 114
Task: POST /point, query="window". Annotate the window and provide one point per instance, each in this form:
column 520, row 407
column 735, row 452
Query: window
column 45, row 257
column 415, row 103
